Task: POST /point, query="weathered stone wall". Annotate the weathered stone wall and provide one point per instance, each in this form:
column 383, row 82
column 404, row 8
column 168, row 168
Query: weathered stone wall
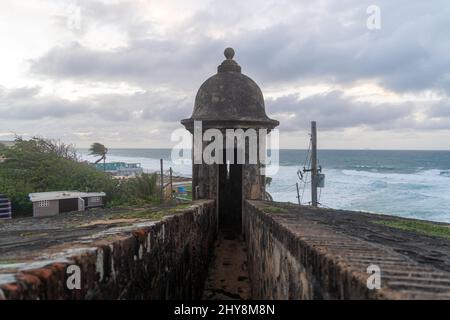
column 166, row 259
column 275, row 273
column 306, row 253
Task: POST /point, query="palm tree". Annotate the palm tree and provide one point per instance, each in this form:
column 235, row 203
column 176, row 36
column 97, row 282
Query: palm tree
column 98, row 149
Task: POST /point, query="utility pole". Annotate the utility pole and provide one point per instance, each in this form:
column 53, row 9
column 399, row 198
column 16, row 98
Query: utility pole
column 298, row 194
column 162, row 181
column 313, row 164
column 171, row 183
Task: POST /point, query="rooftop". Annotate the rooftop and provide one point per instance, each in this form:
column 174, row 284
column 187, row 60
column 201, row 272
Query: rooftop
column 58, row 195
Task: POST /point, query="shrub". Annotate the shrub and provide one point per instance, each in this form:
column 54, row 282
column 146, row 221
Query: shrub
column 40, row 165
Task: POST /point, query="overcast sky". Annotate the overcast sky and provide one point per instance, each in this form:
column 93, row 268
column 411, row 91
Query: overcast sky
column 124, row 72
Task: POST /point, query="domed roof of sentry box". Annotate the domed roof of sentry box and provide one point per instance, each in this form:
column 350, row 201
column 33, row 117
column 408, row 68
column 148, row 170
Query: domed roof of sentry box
column 230, row 99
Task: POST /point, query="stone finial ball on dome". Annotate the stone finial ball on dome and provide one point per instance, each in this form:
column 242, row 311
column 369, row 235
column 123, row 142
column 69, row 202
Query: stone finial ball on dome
column 229, row 53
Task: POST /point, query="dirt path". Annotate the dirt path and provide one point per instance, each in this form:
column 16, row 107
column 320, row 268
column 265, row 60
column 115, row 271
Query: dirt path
column 228, row 276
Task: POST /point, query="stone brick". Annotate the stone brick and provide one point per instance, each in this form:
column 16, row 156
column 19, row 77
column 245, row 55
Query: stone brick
column 302, row 253
column 166, row 259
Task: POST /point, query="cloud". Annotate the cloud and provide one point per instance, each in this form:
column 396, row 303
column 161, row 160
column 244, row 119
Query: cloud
column 305, row 43
column 333, row 110
column 440, row 109
column 146, row 62
column 25, row 104
column 164, row 51
column 28, row 104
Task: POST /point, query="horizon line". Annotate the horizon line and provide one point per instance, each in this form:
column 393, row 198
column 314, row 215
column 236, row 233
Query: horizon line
column 295, row 149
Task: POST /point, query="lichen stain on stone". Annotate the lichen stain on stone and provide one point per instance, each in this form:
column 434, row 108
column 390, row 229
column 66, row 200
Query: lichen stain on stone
column 215, row 98
column 149, row 245
column 163, row 232
column 197, row 213
column 276, row 262
column 141, row 251
column 99, row 267
column 113, row 270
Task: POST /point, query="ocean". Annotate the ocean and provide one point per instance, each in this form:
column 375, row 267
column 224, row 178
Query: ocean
column 412, row 184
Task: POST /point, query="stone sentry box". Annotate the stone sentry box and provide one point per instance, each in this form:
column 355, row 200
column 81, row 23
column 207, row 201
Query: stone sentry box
column 229, row 100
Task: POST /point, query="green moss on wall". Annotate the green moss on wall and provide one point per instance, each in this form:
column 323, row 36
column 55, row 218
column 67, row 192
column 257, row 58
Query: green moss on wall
column 274, row 210
column 427, row 228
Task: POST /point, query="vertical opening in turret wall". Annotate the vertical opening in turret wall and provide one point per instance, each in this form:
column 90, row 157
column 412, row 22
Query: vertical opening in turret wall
column 230, row 198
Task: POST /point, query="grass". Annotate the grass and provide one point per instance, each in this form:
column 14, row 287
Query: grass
column 274, row 210
column 141, row 214
column 5, row 262
column 182, row 206
column 151, row 214
column 427, row 228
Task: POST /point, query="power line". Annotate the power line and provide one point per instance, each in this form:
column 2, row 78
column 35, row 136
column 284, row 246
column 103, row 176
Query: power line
column 304, row 178
column 311, row 166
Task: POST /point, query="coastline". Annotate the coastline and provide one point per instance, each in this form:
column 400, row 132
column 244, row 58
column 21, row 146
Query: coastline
column 417, row 191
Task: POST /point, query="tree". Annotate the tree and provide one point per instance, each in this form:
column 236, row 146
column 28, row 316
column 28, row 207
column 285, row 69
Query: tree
column 41, row 165
column 98, row 149
column 2, row 146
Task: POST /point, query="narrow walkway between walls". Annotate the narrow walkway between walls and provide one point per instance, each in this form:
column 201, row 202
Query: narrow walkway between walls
column 228, row 275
